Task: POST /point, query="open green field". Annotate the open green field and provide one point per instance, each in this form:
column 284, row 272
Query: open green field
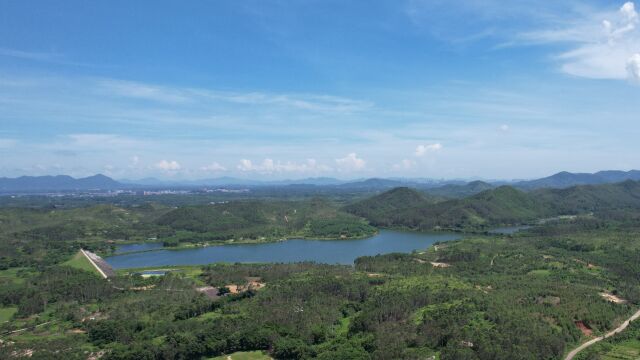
column 628, row 350
column 79, row 261
column 15, row 275
column 6, row 313
column 192, row 272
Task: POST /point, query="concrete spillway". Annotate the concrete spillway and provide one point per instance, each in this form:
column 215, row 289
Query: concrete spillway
column 105, row 270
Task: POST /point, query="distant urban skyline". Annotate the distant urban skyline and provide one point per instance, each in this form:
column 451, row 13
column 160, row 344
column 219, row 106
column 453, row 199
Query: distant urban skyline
column 287, row 90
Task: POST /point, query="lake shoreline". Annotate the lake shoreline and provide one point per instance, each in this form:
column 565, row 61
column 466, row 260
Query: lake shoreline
column 496, row 231
column 343, row 251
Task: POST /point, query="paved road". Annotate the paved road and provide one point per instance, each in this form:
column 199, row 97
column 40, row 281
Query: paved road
column 620, row 328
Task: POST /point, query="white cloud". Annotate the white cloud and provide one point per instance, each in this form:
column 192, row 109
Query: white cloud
column 504, row 127
column 99, row 141
column 176, row 95
column 633, row 68
column 423, row 150
column 213, row 167
column 603, row 43
column 245, row 165
column 351, row 162
column 165, row 165
column 269, row 166
column 143, row 91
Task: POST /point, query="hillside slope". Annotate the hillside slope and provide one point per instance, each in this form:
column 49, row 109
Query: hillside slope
column 504, row 205
column 274, row 219
column 381, row 210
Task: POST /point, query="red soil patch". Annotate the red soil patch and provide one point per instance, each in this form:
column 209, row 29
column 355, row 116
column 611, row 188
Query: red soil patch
column 586, row 331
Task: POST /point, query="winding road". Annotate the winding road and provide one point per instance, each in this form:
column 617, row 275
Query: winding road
column 620, row 328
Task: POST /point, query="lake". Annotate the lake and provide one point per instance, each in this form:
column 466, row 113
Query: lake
column 297, row 250
column 127, row 248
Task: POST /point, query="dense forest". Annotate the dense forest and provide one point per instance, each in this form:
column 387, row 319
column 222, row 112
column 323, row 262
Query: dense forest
column 535, row 294
column 505, row 205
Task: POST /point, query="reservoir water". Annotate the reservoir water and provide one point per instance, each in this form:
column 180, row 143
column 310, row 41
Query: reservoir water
column 127, row 248
column 297, row 250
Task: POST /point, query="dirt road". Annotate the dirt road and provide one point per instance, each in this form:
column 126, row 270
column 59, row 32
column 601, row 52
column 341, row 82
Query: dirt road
column 620, row 328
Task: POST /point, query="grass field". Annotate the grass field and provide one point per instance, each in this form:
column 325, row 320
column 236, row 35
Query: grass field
column 629, row 349
column 14, row 275
column 244, row 355
column 81, row 262
column 192, row 272
column 6, row 313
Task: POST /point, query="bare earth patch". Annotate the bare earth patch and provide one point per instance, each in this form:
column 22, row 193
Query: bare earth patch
column 612, row 298
column 440, row 264
column 210, row 291
column 586, row 331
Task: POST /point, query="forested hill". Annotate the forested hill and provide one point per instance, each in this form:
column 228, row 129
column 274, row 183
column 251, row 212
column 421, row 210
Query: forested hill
column 256, row 219
column 456, row 191
column 504, row 205
column 380, row 209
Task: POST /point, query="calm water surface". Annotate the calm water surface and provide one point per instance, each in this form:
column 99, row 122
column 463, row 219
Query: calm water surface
column 322, row 251
column 121, row 249
column 508, row 230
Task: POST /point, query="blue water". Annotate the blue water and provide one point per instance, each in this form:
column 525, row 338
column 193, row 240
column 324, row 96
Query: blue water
column 321, row 251
column 153, row 272
column 121, row 249
column 508, row 230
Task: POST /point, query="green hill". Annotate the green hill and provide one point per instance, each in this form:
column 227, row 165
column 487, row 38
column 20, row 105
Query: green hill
column 258, row 219
column 504, row 205
column 456, row 191
column 381, row 209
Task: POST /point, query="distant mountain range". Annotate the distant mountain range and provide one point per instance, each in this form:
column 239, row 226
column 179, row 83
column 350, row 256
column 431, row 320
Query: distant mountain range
column 566, row 179
column 443, row 188
column 57, row 183
column 231, row 181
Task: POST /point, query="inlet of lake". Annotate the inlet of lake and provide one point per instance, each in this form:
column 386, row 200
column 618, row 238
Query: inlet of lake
column 296, row 250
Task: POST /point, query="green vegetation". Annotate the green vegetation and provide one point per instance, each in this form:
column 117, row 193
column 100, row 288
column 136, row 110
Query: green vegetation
column 45, row 236
column 623, row 346
column 262, row 220
column 244, row 355
column 403, row 207
column 484, row 297
column 79, row 261
column 6, row 313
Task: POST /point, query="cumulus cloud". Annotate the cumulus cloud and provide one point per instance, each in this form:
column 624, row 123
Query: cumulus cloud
column 351, row 162
column 633, row 68
column 213, row 167
column 165, row 165
column 604, row 43
column 423, row 150
column 269, row 166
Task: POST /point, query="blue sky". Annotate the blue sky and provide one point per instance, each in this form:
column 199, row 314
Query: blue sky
column 293, row 89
